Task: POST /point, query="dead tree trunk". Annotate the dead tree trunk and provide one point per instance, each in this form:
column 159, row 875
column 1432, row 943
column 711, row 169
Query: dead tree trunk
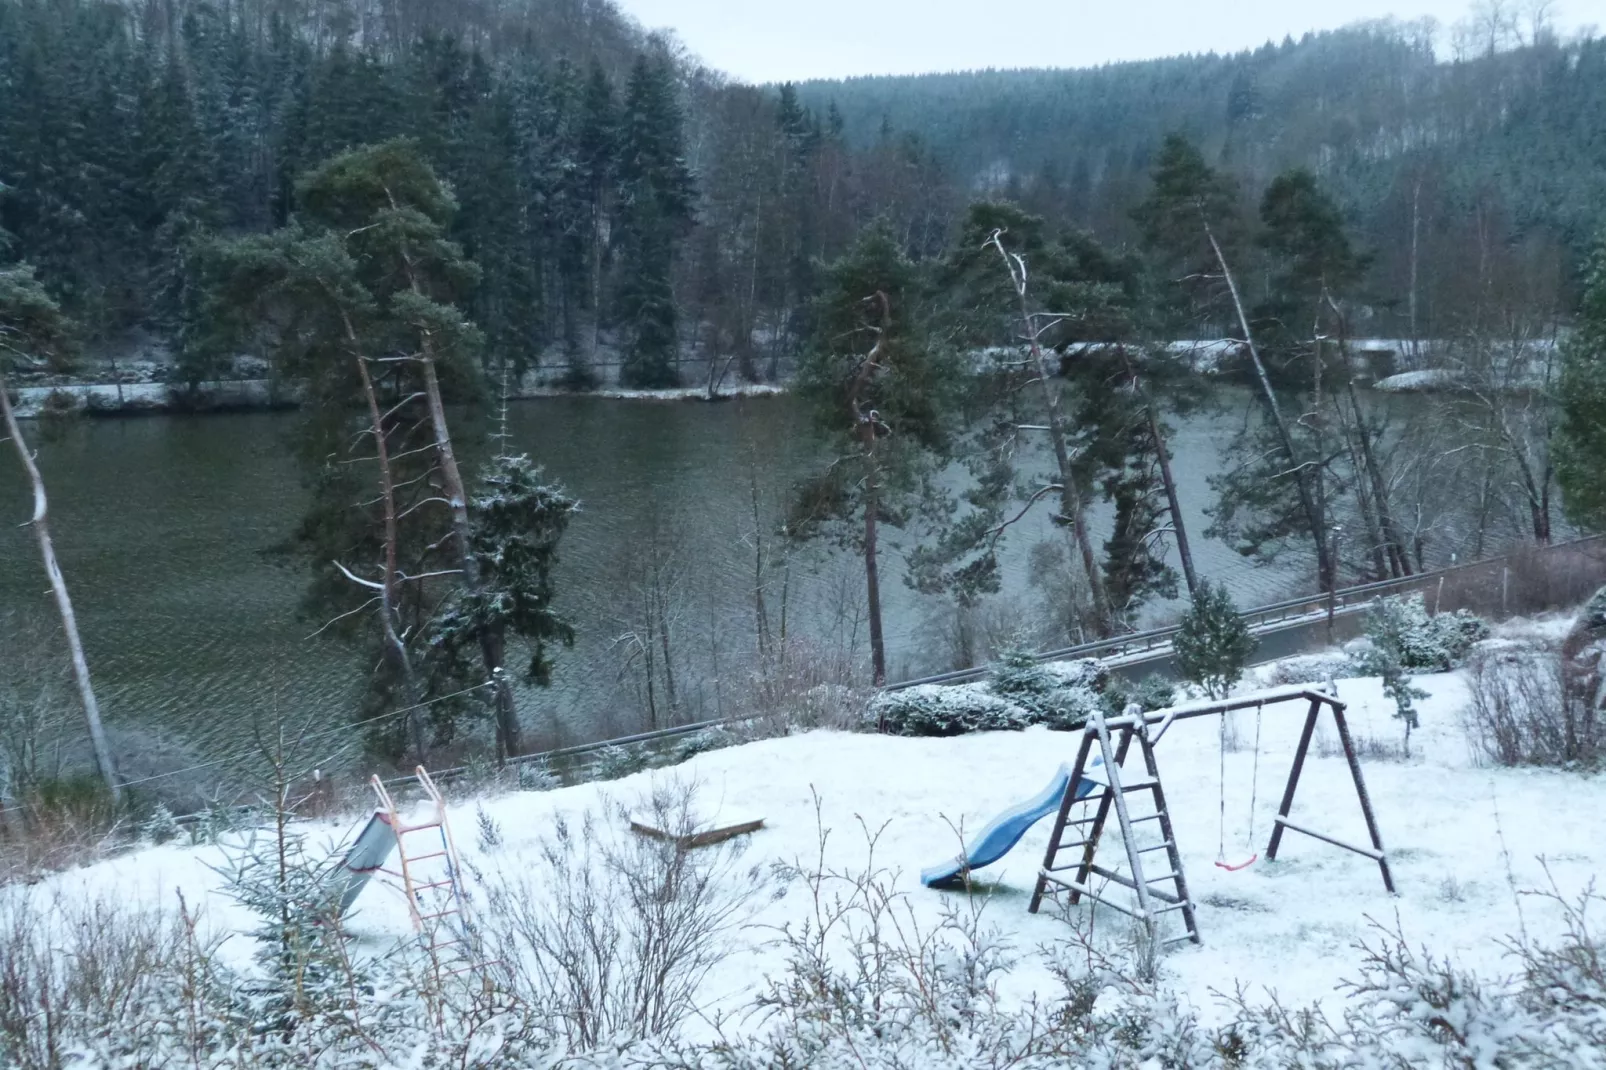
column 1393, row 537
column 395, row 650
column 1072, row 508
column 1308, row 504
column 1163, row 455
column 865, row 423
column 492, row 642
column 58, row 586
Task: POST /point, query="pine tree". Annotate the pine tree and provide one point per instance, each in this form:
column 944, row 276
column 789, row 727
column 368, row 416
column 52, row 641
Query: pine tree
column 883, row 395
column 1213, row 643
column 1191, row 221
column 1581, row 439
column 518, row 520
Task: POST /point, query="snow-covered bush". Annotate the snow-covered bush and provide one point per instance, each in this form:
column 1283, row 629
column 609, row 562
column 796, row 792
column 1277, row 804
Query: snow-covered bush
column 1060, row 696
column 868, row 984
column 939, row 710
column 1424, row 643
column 1021, row 691
column 1413, row 1009
column 618, row 760
column 1522, row 712
column 715, row 738
column 1307, row 669
column 537, row 776
column 1153, row 692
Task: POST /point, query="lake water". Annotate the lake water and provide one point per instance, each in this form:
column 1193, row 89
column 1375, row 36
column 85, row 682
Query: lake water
column 165, row 527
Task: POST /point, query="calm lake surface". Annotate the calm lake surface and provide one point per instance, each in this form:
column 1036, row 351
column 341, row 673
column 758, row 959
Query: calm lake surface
column 165, row 527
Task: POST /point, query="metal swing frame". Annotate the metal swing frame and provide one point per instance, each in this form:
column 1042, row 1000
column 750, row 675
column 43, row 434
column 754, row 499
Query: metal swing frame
column 1114, row 737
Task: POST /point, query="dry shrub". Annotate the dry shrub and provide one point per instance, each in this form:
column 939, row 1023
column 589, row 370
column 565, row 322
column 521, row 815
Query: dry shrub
column 615, row 933
column 801, row 685
column 86, row 976
column 1522, row 713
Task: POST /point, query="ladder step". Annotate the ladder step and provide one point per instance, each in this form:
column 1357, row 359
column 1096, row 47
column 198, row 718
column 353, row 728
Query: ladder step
column 437, row 914
column 1083, row 889
column 1068, row 846
column 1185, row 904
column 433, row 884
column 1125, row 881
column 1184, row 938
column 1156, row 847
column 425, row 858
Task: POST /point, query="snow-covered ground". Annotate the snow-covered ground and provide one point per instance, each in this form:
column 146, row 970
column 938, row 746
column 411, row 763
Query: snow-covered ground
column 1465, row 841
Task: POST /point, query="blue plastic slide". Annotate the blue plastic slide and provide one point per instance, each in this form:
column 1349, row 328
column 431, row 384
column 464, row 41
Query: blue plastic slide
column 1005, row 830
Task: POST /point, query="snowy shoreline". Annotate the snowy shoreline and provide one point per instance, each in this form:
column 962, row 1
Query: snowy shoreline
column 258, row 395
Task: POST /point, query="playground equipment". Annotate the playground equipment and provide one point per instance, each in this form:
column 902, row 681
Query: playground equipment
column 1005, row 831
column 1104, row 784
column 1254, row 797
column 427, row 875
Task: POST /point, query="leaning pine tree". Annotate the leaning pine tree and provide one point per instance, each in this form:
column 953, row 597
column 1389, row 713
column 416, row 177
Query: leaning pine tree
column 1214, row 644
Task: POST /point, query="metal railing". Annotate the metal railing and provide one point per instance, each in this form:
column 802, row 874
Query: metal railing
column 1148, row 645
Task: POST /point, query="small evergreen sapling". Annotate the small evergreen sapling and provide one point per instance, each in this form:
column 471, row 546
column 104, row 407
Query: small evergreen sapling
column 161, row 826
column 1214, row 643
column 1391, row 626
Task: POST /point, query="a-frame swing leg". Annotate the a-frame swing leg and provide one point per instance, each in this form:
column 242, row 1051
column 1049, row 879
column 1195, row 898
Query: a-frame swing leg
column 1376, row 852
column 1364, row 795
column 1293, row 780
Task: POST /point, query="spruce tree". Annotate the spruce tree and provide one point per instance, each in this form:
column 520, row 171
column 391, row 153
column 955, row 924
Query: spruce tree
column 656, row 204
column 1581, row 438
column 1213, row 643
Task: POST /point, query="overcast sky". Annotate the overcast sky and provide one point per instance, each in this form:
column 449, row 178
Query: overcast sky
column 781, row 40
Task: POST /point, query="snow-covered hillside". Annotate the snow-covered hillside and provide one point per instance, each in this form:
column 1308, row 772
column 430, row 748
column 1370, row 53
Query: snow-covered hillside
column 1465, row 843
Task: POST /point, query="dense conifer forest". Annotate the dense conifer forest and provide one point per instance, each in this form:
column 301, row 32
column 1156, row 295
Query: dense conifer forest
column 629, row 208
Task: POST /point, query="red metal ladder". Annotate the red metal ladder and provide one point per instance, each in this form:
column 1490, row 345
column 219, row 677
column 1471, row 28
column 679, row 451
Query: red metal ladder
column 430, row 878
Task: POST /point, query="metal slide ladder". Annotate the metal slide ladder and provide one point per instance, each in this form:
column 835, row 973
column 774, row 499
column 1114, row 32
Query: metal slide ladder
column 1152, row 898
column 429, row 876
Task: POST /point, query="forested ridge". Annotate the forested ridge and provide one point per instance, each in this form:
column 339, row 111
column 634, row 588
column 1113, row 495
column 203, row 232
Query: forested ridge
column 635, row 215
column 1497, row 152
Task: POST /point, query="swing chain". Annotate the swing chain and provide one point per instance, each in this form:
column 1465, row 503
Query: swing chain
column 1254, row 775
column 1221, row 795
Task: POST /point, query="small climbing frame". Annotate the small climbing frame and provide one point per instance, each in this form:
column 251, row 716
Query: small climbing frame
column 1114, row 738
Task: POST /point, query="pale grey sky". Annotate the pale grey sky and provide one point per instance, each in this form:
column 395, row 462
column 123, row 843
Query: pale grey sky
column 779, row 40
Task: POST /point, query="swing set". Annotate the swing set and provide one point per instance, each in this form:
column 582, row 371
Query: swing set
column 1113, row 787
